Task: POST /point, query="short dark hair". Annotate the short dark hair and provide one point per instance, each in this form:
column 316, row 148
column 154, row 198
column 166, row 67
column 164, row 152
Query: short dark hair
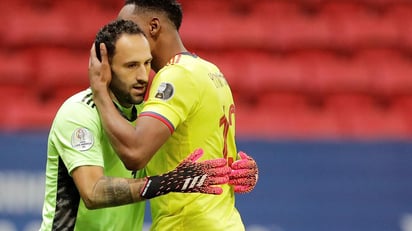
column 111, row 32
column 172, row 8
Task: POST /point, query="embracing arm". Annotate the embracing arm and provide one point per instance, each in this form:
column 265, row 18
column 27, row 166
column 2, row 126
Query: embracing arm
column 99, row 191
column 190, row 176
column 134, row 145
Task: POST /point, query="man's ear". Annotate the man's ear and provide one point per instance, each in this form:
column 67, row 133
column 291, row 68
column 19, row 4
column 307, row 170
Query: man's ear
column 154, row 27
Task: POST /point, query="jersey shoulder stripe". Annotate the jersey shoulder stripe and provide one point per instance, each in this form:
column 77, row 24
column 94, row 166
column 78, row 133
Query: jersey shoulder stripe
column 177, row 58
column 88, row 99
column 174, row 60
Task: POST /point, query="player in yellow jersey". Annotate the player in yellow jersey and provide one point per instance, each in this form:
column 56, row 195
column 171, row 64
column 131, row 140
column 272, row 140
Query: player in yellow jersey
column 189, row 105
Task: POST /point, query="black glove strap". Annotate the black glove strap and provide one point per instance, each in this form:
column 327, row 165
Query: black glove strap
column 153, row 188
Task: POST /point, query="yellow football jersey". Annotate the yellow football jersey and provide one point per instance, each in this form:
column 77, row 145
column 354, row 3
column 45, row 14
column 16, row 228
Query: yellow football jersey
column 192, row 97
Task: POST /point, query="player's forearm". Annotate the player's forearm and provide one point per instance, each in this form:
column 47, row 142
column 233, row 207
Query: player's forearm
column 110, row 192
column 189, row 176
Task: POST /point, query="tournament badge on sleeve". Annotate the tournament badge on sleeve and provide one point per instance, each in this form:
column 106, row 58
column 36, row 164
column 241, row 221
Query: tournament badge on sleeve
column 82, row 139
column 165, row 91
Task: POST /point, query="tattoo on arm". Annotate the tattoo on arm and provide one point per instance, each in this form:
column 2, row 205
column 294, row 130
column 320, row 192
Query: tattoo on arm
column 110, row 192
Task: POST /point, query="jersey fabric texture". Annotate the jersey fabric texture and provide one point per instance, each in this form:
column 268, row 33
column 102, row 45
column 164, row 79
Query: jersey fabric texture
column 192, row 98
column 77, row 139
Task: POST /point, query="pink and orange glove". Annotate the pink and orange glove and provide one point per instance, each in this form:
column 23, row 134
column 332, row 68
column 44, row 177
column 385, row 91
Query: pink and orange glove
column 244, row 175
column 190, row 177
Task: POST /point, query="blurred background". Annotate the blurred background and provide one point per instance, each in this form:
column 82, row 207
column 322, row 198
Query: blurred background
column 323, row 90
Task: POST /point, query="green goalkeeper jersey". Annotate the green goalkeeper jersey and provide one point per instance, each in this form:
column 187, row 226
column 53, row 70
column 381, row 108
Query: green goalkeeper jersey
column 77, row 139
column 192, row 98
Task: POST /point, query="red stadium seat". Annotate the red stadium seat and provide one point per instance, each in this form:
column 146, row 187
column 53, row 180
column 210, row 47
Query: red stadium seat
column 23, row 110
column 267, row 72
column 291, row 26
column 39, row 27
column 363, row 117
column 220, row 31
column 329, row 73
column 382, row 3
column 55, row 24
column 401, row 16
column 215, row 24
column 17, row 67
column 230, row 27
column 389, row 70
column 62, row 73
column 356, row 25
column 29, row 115
column 90, row 17
column 403, row 106
column 282, row 115
column 282, row 101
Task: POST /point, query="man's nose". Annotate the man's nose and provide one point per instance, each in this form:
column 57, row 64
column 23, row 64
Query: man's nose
column 142, row 74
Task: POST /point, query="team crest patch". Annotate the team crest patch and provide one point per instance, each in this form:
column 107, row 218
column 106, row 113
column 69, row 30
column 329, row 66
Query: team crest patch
column 165, row 91
column 82, row 139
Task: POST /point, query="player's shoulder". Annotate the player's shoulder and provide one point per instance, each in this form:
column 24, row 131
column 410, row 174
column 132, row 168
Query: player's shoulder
column 79, row 103
column 84, row 98
column 187, row 63
column 182, row 59
column 78, row 109
column 187, row 58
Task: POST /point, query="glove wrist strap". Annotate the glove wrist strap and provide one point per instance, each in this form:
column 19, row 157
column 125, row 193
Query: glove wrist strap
column 153, row 187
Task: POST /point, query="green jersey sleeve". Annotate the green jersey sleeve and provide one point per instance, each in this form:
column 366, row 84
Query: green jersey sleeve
column 75, row 136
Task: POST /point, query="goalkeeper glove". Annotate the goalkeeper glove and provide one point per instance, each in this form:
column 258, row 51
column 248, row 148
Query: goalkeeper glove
column 244, row 175
column 189, row 177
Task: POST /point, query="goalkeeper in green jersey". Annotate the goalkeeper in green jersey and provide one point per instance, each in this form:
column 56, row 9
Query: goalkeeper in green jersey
column 189, row 105
column 87, row 185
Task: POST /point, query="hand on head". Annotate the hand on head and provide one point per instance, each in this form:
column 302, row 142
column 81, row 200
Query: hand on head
column 99, row 72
